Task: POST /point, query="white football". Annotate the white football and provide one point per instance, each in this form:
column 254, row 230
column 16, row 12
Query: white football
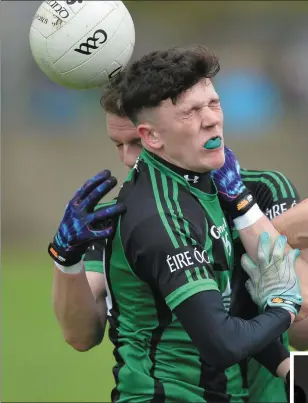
column 82, row 44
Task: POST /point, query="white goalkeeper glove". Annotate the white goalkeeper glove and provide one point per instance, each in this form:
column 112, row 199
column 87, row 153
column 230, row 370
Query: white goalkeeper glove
column 273, row 281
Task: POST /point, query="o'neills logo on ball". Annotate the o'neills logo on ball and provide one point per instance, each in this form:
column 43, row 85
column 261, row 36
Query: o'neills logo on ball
column 60, row 10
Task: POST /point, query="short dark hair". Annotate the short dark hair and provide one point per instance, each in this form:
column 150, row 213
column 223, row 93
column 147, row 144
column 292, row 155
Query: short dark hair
column 165, row 74
column 111, row 96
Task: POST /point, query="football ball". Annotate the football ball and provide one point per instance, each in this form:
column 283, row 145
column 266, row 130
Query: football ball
column 82, row 44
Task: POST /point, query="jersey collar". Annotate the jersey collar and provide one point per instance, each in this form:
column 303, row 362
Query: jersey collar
column 190, row 179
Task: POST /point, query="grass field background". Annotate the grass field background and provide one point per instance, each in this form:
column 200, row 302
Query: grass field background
column 37, row 365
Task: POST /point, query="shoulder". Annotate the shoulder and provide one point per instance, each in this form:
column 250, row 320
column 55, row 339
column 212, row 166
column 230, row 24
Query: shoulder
column 274, row 182
column 158, row 208
column 273, row 191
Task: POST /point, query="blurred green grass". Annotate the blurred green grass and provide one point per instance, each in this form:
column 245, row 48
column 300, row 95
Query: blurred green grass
column 37, row 365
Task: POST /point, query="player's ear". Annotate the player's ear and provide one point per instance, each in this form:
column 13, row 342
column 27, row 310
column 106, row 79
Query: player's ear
column 150, row 136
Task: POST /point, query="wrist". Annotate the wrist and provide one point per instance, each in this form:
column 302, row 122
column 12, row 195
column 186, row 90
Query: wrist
column 292, row 316
column 74, row 269
column 64, row 257
column 249, row 218
column 288, row 304
column 238, row 205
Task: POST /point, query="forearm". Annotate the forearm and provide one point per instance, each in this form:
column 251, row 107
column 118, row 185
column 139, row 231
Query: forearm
column 244, row 337
column 294, row 224
column 250, row 238
column 250, row 235
column 276, row 358
column 76, row 310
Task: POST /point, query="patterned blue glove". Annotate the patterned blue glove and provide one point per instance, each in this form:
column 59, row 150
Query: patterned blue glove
column 233, row 194
column 81, row 225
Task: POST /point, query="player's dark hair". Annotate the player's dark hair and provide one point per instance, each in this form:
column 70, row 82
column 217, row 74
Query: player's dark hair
column 164, row 74
column 111, row 97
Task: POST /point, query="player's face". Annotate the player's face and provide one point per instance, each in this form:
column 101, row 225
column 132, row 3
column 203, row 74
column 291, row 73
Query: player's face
column 124, row 134
column 179, row 133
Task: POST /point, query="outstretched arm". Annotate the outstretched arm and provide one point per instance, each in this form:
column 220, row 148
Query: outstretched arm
column 248, row 218
column 294, row 224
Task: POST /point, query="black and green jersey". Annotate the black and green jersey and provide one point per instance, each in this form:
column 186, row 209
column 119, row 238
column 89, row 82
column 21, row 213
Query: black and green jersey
column 274, row 194
column 172, row 243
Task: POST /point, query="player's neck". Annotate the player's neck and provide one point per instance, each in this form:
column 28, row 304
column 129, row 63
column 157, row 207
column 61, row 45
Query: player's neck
column 201, row 181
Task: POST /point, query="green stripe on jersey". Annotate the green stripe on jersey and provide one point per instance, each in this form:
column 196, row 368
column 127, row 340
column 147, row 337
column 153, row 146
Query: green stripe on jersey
column 191, row 288
column 106, row 204
column 94, row 265
column 180, row 213
column 160, row 208
column 277, row 176
column 291, row 189
column 267, row 182
column 173, row 215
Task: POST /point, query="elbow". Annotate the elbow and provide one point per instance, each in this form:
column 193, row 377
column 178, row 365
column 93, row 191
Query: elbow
column 85, row 344
column 81, row 347
column 224, row 360
column 223, row 356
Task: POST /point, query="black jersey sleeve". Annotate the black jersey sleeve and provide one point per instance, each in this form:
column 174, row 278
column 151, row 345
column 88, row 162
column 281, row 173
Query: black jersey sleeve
column 274, row 192
column 224, row 340
column 272, row 355
column 163, row 256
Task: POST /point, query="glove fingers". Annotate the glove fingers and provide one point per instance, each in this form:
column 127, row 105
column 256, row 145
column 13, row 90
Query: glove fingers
column 264, row 249
column 290, row 260
column 293, row 255
column 279, row 249
column 249, row 266
column 90, row 185
column 98, row 193
column 250, row 288
column 107, row 213
column 102, row 234
column 100, row 225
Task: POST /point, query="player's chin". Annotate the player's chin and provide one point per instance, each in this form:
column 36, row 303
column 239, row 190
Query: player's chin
column 215, row 158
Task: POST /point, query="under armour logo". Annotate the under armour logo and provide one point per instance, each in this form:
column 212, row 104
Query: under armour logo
column 194, row 179
column 99, row 36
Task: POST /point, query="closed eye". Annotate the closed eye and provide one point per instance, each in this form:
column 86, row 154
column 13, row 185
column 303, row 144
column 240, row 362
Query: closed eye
column 195, row 109
column 215, row 102
column 190, row 112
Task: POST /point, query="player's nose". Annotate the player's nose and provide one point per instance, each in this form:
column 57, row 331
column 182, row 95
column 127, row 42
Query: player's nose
column 210, row 119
